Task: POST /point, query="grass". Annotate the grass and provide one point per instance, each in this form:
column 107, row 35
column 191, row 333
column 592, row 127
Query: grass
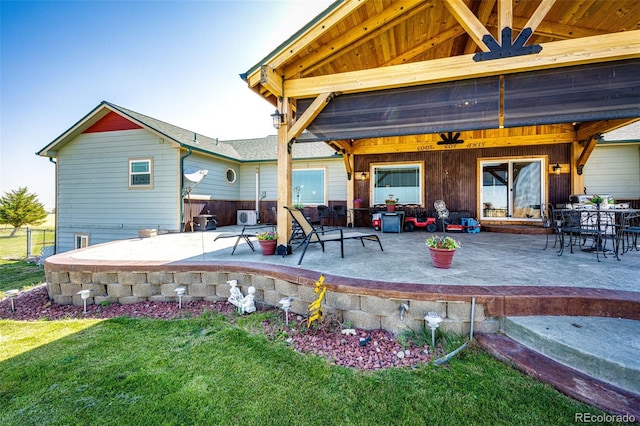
column 20, row 275
column 216, row 370
column 209, row 370
column 15, row 247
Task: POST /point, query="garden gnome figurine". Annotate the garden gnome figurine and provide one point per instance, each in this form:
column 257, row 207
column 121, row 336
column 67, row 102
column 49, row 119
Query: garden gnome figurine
column 248, row 304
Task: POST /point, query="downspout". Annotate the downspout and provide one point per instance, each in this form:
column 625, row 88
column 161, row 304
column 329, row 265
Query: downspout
column 182, row 157
column 55, row 234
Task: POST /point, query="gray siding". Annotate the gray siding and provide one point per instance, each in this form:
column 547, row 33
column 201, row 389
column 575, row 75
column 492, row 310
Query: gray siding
column 268, row 181
column 614, row 170
column 93, row 193
column 215, row 185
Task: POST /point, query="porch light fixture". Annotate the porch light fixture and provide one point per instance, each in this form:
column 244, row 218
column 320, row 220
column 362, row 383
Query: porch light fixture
column 557, row 169
column 277, row 119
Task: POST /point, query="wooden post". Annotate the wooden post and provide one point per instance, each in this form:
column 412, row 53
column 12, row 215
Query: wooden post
column 285, row 166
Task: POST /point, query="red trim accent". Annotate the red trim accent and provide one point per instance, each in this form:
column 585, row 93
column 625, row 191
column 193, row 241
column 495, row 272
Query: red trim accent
column 112, row 122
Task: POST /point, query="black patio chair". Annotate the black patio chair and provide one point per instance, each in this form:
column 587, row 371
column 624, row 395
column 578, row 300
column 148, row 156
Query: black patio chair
column 326, row 214
column 340, row 211
column 315, row 235
column 583, row 226
column 552, row 222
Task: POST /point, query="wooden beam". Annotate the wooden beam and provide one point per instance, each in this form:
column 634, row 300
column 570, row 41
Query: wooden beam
column 422, row 143
column 310, row 114
column 609, row 47
column 442, row 37
column 271, row 81
column 549, row 29
column 314, row 32
column 284, row 174
column 586, row 131
column 469, row 22
column 585, row 154
column 484, row 13
column 505, row 18
column 539, row 15
column 356, row 36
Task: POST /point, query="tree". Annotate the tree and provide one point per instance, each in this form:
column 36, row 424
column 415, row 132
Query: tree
column 18, row 208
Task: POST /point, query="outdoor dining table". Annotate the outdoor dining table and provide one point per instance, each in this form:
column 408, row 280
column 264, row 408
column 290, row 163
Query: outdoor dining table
column 598, row 224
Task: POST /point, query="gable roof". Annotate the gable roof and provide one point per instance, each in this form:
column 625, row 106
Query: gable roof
column 259, row 149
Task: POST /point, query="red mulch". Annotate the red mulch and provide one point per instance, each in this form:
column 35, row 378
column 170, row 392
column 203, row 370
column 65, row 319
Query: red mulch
column 380, row 349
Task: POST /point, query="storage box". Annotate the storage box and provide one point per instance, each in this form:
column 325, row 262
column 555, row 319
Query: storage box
column 146, row 233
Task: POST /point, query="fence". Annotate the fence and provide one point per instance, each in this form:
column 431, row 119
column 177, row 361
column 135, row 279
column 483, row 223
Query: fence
column 25, row 243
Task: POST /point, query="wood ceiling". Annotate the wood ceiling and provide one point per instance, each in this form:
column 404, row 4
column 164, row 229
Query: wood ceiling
column 365, row 45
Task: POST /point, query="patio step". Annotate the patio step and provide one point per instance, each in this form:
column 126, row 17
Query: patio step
column 603, row 348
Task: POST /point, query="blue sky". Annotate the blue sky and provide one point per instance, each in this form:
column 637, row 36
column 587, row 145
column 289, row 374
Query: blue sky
column 177, row 61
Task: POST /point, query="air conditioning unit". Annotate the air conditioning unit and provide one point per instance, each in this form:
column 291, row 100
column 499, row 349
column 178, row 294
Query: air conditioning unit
column 247, row 217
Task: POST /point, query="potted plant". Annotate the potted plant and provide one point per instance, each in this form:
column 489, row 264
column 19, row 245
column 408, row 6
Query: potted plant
column 391, row 203
column 602, row 202
column 268, row 241
column 357, row 203
column 442, row 249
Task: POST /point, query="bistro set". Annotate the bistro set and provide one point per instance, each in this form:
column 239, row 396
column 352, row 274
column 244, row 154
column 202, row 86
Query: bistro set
column 590, row 223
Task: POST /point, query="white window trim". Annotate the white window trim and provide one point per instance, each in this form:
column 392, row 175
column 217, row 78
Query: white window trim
column 130, row 173
column 544, row 160
column 82, row 237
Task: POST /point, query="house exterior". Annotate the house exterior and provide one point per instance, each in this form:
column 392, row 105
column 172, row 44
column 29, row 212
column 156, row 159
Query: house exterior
column 494, row 107
column 119, row 172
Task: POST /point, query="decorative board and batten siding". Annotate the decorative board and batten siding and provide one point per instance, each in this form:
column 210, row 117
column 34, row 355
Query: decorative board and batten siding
column 615, row 170
column 94, row 197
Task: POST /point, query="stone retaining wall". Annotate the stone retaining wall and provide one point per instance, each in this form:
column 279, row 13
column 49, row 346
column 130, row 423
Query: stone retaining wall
column 360, row 307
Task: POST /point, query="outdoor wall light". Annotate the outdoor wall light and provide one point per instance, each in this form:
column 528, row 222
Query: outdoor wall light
column 363, row 176
column 557, row 169
column 286, row 305
column 433, row 321
column 85, row 295
column 277, row 119
column 12, row 294
column 180, row 291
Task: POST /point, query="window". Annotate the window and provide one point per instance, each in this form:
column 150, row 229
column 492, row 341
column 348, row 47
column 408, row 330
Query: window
column 80, row 241
column 512, row 188
column 231, row 176
column 140, row 173
column 309, row 186
column 402, row 181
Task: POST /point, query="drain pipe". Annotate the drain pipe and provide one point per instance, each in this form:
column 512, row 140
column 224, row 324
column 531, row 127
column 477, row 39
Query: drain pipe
column 182, row 157
column 55, row 234
column 473, row 317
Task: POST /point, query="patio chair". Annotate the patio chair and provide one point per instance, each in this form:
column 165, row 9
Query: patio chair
column 582, row 225
column 314, row 235
column 551, row 221
column 325, row 213
column 339, row 212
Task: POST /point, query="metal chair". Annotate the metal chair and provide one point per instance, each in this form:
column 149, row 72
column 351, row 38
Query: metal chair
column 325, row 213
column 340, row 211
column 314, row 235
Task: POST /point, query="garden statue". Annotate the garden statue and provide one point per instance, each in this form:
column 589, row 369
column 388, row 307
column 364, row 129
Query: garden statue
column 236, row 296
column 248, row 304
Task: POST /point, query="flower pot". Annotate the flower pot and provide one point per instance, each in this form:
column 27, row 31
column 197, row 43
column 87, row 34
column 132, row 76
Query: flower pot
column 268, row 247
column 357, row 204
column 441, row 258
column 391, row 207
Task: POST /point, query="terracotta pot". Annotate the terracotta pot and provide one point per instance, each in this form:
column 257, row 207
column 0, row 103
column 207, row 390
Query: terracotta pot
column 268, row 247
column 441, row 258
column 357, row 204
column 391, row 207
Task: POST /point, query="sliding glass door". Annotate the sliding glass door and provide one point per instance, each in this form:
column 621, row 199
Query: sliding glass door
column 512, row 188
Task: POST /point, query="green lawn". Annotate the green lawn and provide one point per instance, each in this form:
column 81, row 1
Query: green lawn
column 15, row 247
column 210, row 371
